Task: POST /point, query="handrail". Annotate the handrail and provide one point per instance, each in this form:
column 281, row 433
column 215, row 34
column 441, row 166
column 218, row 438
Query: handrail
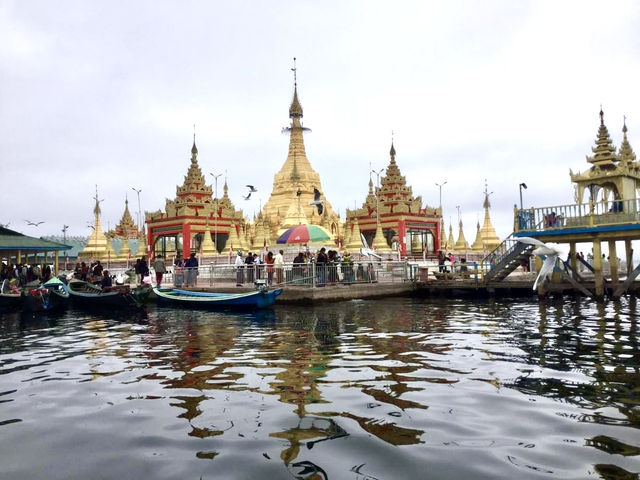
column 579, row 215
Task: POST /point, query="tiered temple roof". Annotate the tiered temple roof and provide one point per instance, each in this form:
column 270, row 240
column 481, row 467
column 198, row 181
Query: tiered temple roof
column 396, row 208
column 126, row 227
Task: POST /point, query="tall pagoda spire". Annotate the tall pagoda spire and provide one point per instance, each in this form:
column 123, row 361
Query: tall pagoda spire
column 294, row 183
column 604, row 151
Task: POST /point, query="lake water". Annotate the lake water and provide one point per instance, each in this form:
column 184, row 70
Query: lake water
column 383, row 389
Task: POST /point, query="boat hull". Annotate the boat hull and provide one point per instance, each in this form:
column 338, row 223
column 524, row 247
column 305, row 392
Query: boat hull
column 10, row 302
column 88, row 296
column 189, row 299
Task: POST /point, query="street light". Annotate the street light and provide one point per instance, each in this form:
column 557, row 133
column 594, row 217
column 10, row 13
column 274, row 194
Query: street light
column 522, row 185
column 138, row 192
column 64, row 241
column 440, row 185
column 216, row 220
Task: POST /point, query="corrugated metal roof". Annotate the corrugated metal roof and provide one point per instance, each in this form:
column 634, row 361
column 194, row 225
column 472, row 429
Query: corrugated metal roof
column 14, row 241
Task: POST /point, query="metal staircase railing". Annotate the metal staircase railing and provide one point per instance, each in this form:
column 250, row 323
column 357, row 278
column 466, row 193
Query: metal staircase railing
column 505, row 258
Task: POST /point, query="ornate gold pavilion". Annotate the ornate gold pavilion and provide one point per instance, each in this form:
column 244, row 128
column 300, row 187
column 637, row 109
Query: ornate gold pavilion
column 391, row 217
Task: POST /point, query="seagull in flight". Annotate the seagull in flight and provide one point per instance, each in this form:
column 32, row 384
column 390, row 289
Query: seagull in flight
column 35, row 224
column 252, row 188
column 365, row 250
column 549, row 251
column 316, row 200
column 247, row 197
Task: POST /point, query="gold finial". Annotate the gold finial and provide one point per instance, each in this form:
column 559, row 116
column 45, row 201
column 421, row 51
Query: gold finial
column 601, row 115
column 294, row 70
column 194, row 149
column 624, row 124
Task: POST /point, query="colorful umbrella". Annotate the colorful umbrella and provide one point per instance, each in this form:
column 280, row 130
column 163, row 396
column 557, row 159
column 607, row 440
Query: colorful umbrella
column 304, row 234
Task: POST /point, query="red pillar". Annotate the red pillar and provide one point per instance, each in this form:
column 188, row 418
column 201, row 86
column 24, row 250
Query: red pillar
column 186, row 240
column 402, row 233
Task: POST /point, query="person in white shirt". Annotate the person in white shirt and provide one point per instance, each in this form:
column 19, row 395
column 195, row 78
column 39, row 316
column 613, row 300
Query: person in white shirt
column 239, row 269
column 279, row 264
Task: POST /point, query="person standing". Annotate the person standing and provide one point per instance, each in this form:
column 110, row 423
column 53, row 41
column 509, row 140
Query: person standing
column 279, row 264
column 239, row 269
column 160, row 268
column 270, row 260
column 191, row 266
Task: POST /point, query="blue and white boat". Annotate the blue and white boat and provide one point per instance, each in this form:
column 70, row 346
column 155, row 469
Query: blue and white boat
column 260, row 298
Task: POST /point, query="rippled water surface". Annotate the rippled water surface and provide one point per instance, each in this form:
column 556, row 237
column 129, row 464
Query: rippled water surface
column 387, row 389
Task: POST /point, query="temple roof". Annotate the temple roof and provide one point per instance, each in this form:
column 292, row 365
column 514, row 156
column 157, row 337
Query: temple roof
column 126, row 227
column 604, row 151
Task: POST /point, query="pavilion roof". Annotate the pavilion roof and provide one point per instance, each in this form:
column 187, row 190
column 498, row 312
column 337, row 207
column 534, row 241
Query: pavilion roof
column 13, row 241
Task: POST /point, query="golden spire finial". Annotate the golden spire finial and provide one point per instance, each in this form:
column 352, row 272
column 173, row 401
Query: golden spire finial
column 194, row 149
column 295, row 110
column 601, row 115
column 392, row 152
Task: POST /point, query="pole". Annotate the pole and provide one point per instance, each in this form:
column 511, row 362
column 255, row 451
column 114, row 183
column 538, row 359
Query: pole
column 525, row 187
column 216, row 220
column 440, row 185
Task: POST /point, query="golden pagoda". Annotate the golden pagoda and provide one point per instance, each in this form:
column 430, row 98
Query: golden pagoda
column 207, row 247
column 125, row 254
column 355, row 242
column 461, row 245
column 96, row 247
column 490, row 239
column 293, row 185
column 450, row 242
column 477, row 243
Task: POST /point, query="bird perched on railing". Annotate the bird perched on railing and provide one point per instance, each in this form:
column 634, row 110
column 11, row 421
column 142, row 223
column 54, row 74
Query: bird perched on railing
column 550, row 252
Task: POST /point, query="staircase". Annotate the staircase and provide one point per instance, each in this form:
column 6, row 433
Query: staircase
column 505, row 258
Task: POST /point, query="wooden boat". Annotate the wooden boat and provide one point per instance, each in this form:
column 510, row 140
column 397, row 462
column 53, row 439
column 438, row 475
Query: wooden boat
column 10, row 297
column 53, row 295
column 117, row 297
column 256, row 299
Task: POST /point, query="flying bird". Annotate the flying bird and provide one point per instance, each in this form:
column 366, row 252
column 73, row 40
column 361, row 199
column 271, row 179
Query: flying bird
column 35, row 224
column 252, row 188
column 365, row 250
column 549, row 252
column 316, row 200
column 247, row 197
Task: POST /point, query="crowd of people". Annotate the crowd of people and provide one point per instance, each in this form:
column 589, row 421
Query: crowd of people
column 22, row 274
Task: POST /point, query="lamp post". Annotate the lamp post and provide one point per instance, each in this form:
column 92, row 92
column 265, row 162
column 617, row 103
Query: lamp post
column 522, row 185
column 64, row 240
column 440, row 185
column 138, row 192
column 216, row 220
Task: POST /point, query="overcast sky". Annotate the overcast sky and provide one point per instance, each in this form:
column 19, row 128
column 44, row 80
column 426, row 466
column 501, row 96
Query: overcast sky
column 107, row 93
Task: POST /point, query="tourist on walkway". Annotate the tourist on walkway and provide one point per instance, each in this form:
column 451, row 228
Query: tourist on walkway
column 270, row 260
column 441, row 259
column 249, row 267
column 298, row 269
column 239, row 269
column 279, row 264
column 191, row 265
column 321, row 267
column 143, row 268
column 160, row 268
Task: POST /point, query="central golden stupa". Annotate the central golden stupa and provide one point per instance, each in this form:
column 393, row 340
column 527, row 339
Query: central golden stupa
column 293, row 185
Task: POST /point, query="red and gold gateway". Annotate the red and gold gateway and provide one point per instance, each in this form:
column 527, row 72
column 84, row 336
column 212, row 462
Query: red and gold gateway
column 195, row 221
column 392, row 219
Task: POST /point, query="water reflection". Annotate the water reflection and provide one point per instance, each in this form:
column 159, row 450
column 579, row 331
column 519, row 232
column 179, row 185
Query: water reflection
column 329, row 390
